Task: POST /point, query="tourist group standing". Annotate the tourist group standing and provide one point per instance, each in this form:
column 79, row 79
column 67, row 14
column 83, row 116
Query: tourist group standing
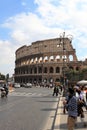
column 74, row 104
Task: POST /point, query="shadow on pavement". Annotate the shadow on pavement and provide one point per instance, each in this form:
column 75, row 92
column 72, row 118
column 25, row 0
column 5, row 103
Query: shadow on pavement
column 49, row 109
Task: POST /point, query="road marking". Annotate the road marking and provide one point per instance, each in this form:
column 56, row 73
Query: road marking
column 27, row 94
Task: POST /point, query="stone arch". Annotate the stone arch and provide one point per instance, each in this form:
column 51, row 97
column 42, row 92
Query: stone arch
column 35, row 80
column 31, row 61
column 57, row 80
column 45, row 80
column 51, row 70
column 35, row 60
column 30, row 70
column 57, row 70
column 45, row 70
column 70, row 57
column 39, row 69
column 40, row 59
column 57, row 58
column 39, row 80
column 51, row 58
column 51, row 80
column 27, row 61
column 71, row 67
column 64, row 58
column 35, row 70
column 45, row 58
column 23, row 63
column 77, row 68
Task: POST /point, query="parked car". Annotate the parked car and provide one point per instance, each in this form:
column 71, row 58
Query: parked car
column 23, row 84
column 28, row 85
column 17, row 85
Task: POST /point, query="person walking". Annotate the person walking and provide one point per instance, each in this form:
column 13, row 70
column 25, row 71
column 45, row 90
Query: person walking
column 71, row 106
column 6, row 89
column 55, row 90
column 81, row 103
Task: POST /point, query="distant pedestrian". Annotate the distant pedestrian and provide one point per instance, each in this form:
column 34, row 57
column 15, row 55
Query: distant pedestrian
column 81, row 103
column 6, row 89
column 55, row 90
column 71, row 106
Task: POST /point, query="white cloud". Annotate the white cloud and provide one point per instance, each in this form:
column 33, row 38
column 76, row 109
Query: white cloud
column 7, row 57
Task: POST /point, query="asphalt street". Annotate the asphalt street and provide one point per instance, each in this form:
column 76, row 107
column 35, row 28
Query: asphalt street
column 28, row 109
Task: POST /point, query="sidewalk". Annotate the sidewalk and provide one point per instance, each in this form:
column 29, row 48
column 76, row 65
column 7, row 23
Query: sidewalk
column 61, row 119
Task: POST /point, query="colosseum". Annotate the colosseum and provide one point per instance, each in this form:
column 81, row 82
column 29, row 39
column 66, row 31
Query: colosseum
column 45, row 61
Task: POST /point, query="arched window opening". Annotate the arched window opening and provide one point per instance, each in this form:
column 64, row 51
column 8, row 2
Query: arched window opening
column 64, row 57
column 24, row 63
column 71, row 58
column 40, row 59
column 35, row 80
column 57, row 70
column 40, row 70
column 35, row 70
column 57, row 80
column 51, row 58
column 40, row 80
column 51, row 80
column 45, row 70
column 30, row 80
column 27, row 62
column 45, row 59
column 57, row 58
column 31, row 61
column 45, row 80
column 51, row 70
column 77, row 68
column 71, row 68
column 30, row 70
column 35, row 61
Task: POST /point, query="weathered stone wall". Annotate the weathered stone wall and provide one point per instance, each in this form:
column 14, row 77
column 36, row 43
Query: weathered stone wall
column 47, row 47
column 43, row 54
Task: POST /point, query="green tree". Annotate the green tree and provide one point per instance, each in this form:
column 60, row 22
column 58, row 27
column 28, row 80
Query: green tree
column 2, row 77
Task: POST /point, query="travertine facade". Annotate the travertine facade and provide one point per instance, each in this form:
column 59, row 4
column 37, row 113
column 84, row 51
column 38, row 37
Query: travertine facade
column 44, row 61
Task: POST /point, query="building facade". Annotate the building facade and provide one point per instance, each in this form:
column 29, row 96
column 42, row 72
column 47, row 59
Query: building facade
column 45, row 61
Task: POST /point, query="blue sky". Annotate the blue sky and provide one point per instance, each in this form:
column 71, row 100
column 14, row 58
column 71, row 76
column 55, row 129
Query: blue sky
column 25, row 21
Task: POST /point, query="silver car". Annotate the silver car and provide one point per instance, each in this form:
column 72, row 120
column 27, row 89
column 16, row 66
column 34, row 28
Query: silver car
column 28, row 85
column 17, row 85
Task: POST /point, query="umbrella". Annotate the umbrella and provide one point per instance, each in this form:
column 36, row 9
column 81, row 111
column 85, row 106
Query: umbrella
column 82, row 82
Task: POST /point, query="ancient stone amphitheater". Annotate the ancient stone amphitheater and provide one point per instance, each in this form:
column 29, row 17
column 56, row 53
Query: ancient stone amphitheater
column 45, row 61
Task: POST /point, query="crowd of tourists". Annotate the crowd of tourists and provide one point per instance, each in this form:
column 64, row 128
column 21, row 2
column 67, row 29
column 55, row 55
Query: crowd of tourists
column 75, row 103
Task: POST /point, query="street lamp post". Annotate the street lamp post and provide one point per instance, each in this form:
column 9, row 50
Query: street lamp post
column 62, row 45
column 63, row 57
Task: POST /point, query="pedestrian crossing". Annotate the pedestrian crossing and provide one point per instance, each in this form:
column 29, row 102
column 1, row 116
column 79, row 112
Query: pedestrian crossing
column 26, row 94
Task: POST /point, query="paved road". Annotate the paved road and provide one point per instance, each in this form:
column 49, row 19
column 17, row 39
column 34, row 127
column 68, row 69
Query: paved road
column 28, row 109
